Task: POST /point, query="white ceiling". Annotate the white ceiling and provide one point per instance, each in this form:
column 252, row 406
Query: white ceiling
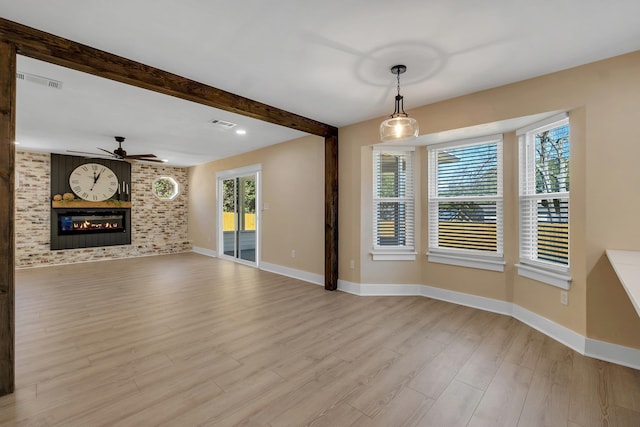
column 327, row 60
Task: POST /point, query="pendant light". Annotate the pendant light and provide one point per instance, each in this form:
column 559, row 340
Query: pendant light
column 399, row 126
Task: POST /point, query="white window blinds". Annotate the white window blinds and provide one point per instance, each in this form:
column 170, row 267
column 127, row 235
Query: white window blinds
column 544, row 192
column 465, row 196
column 393, row 199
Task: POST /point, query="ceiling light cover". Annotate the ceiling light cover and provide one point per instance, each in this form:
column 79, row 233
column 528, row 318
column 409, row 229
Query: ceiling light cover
column 399, row 126
column 43, row 81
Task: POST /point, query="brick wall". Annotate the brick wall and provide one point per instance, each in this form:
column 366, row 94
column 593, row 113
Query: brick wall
column 158, row 226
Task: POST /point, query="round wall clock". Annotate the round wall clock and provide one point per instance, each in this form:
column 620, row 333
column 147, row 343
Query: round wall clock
column 93, row 182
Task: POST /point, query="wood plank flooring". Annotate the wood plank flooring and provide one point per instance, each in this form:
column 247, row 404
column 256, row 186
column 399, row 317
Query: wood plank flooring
column 187, row 340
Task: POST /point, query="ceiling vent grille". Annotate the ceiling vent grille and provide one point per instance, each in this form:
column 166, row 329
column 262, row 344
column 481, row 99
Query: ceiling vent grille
column 42, row 81
column 223, row 124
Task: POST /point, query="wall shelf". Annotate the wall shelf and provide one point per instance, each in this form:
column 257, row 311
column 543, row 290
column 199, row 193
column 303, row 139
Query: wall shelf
column 90, row 205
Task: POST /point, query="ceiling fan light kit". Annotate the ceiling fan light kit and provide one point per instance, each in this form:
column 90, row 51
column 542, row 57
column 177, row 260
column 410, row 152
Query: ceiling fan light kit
column 399, row 126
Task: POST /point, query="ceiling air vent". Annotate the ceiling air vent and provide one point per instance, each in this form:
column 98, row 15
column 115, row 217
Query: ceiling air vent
column 42, row 81
column 223, row 124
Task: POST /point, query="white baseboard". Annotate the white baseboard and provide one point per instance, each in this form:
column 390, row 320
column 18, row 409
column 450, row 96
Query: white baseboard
column 614, row 353
column 483, row 303
column 316, row 279
column 609, row 352
column 558, row 332
column 204, row 251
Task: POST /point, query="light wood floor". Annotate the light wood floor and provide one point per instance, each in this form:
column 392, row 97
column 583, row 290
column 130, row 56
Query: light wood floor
column 185, row 340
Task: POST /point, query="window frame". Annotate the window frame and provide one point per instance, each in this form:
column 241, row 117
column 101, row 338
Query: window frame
column 176, row 186
column 548, row 272
column 485, row 260
column 406, row 252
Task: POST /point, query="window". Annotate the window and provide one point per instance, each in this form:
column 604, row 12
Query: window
column 165, row 188
column 393, row 204
column 465, row 203
column 544, row 201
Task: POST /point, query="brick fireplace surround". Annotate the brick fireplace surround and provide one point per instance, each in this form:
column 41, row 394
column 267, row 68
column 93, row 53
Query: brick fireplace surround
column 157, row 226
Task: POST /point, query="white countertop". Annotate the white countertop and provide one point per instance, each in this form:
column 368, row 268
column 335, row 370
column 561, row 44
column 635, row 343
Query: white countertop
column 627, row 266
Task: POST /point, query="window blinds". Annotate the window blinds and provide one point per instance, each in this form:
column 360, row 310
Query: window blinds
column 393, row 199
column 465, row 195
column 544, row 192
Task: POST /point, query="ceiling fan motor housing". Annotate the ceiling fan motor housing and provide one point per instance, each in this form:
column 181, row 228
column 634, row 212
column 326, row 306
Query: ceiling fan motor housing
column 119, row 151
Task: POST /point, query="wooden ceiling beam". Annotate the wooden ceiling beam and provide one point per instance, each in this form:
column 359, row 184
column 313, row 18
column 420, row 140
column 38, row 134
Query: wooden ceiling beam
column 60, row 51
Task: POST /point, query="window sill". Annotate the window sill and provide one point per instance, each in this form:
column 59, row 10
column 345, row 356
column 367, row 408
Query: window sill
column 391, row 255
column 559, row 279
column 474, row 261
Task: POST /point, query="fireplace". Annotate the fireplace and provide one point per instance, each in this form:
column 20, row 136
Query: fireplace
column 89, row 228
column 88, row 222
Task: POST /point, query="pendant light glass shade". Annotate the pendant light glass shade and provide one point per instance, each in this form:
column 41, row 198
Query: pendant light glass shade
column 399, row 126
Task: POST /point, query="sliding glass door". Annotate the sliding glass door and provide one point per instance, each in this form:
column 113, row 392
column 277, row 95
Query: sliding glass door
column 238, row 213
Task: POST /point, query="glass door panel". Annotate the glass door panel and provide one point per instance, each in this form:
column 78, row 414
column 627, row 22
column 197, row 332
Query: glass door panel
column 239, row 219
column 246, row 203
column 229, row 216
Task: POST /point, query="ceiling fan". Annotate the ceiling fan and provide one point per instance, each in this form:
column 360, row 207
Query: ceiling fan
column 120, row 154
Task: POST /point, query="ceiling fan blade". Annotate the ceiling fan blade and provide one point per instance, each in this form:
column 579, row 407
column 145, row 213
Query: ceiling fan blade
column 150, row 160
column 106, row 151
column 87, row 153
column 140, row 156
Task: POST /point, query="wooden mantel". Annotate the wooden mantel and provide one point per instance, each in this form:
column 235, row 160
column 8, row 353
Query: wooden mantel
column 85, row 204
column 20, row 39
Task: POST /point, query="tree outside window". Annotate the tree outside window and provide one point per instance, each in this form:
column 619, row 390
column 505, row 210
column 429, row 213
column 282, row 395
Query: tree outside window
column 165, row 188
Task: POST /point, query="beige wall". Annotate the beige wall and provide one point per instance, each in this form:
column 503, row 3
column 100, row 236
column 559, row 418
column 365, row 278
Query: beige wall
column 603, row 100
column 292, row 186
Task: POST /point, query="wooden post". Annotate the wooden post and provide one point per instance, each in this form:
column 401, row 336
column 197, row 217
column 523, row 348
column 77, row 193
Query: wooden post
column 331, row 212
column 7, row 161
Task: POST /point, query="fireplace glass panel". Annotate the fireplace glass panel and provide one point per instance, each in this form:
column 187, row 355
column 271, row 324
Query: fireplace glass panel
column 91, row 222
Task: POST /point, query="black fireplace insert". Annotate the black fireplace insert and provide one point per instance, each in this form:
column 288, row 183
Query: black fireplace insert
column 91, row 222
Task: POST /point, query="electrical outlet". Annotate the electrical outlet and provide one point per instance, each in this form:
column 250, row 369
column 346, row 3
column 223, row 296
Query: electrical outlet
column 293, row 253
column 564, row 297
column 352, row 264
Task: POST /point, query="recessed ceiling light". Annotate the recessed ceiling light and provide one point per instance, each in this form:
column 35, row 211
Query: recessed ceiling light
column 16, row 142
column 241, row 132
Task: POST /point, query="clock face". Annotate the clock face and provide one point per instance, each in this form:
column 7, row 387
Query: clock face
column 93, row 182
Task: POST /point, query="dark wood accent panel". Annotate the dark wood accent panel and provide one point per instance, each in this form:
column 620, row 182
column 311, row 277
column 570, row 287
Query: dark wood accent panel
column 57, row 50
column 61, row 168
column 331, row 213
column 7, row 173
